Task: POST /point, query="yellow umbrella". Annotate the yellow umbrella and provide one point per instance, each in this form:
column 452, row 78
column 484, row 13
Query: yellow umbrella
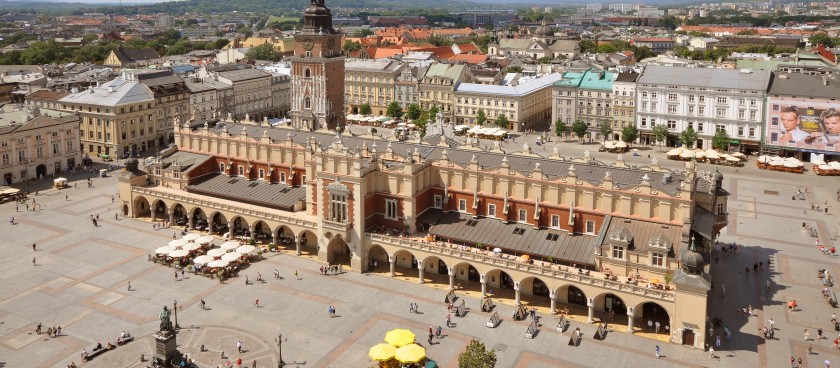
column 382, row 352
column 411, row 353
column 655, row 281
column 399, row 337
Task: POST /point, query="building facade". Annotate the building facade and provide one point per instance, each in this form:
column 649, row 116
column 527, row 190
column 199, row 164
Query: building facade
column 370, row 82
column 586, row 96
column 437, row 87
column 623, row 103
column 406, row 86
column 252, row 89
column 33, row 146
column 705, row 99
column 526, row 105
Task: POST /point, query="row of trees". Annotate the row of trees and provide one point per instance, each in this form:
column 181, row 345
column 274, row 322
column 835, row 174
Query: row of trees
column 630, row 133
column 589, row 46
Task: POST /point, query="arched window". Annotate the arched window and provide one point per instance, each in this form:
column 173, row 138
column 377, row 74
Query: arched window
column 221, row 167
column 307, row 73
column 306, row 103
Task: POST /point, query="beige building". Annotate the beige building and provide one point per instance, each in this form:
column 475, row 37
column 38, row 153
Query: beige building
column 584, row 96
column 601, row 238
column 624, row 103
column 131, row 113
column 251, row 92
column 34, row 145
column 371, row 82
column 526, row 105
column 437, row 87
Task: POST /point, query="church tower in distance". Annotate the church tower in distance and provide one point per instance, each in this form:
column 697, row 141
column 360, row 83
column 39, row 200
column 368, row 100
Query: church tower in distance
column 317, row 72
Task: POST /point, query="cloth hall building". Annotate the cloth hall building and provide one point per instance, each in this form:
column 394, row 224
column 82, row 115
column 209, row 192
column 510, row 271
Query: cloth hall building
column 583, row 237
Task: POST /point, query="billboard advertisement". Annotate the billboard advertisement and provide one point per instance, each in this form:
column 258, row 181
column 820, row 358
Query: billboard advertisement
column 805, row 124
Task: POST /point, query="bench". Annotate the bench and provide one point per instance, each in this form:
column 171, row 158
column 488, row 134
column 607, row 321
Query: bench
column 126, row 340
column 832, row 299
column 94, row 353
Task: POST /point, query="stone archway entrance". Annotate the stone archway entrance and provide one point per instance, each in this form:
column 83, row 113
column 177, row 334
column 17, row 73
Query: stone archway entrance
column 220, row 223
column 199, row 219
column 141, row 207
column 338, row 252
column 41, row 171
column 655, row 314
column 378, row 260
column 179, row 215
column 308, row 243
column 159, row 211
column 262, row 233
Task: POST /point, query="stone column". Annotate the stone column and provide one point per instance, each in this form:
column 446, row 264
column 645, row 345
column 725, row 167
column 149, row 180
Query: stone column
column 297, row 245
column 483, row 286
column 553, row 298
column 591, row 304
column 191, row 221
column 392, row 259
column 630, row 314
column 451, row 271
column 210, row 226
column 421, row 271
column 516, row 288
column 251, row 231
column 230, row 229
column 274, row 238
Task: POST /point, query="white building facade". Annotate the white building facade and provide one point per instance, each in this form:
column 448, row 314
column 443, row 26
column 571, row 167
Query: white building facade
column 706, row 99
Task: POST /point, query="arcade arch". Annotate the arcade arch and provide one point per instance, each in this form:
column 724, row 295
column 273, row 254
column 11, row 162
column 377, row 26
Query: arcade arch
column 338, row 252
column 141, row 207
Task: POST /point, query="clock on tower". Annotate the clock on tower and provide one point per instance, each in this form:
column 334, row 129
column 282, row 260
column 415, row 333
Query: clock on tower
column 317, row 84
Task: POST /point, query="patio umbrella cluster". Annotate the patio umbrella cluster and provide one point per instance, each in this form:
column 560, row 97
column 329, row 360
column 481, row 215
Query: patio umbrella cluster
column 399, row 344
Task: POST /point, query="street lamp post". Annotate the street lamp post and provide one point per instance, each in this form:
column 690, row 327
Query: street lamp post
column 280, row 363
column 175, row 308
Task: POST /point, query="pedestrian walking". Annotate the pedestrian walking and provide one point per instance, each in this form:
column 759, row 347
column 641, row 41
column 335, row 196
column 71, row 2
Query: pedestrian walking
column 257, row 302
column 448, row 320
column 772, row 324
column 296, row 275
column 827, row 363
column 176, row 275
column 430, row 338
column 33, row 247
column 657, row 326
column 717, row 341
column 711, row 352
column 182, row 273
column 33, row 261
column 112, row 199
column 239, row 346
column 807, row 334
column 819, row 333
column 129, row 286
column 66, row 197
column 657, row 351
column 438, row 331
column 276, row 274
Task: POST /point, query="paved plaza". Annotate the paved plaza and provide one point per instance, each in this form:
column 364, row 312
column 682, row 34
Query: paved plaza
column 81, row 275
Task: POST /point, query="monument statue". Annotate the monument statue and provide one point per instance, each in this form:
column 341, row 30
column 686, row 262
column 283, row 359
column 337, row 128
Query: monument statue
column 165, row 323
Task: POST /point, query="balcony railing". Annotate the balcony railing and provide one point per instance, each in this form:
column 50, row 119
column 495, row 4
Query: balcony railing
column 214, row 203
column 550, row 271
column 335, row 225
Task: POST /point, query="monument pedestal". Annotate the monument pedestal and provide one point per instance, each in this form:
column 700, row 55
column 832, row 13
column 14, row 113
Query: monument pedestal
column 165, row 346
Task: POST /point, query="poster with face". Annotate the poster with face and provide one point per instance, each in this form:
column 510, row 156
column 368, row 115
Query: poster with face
column 812, row 125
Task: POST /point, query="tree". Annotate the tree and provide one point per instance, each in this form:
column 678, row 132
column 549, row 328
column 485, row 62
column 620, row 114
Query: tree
column 477, row 356
column 560, row 127
column 502, row 121
column 395, row 110
column 265, row 51
column 414, row 111
column 688, row 137
column 821, row 39
column 44, row 53
column 351, row 46
column 629, row 134
column 721, row 140
column 179, row 48
column 433, row 111
column 364, row 109
column 514, row 69
column 660, row 134
column 580, row 128
column 588, row 46
column 604, row 128
column 480, row 117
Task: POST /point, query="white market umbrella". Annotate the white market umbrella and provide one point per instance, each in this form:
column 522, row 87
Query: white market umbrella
column 218, row 263
column 205, row 259
column 733, row 159
column 229, row 246
column 834, row 164
column 245, row 249
column 497, row 250
column 216, row 253
column 177, row 243
column 178, row 253
column 825, row 167
column 191, row 236
column 191, row 246
column 687, row 154
column 165, row 250
column 232, row 256
column 205, row 239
